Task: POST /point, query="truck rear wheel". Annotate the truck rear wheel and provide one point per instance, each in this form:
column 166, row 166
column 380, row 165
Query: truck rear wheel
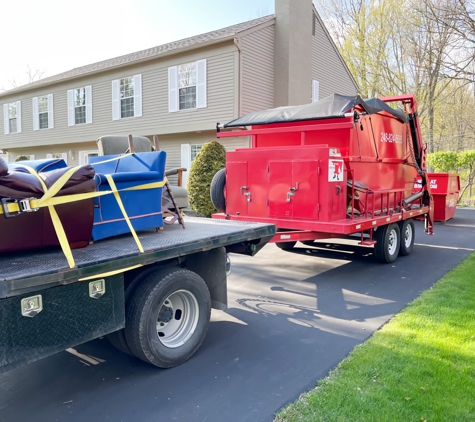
column 168, row 317
column 388, row 239
column 407, row 237
column 117, row 338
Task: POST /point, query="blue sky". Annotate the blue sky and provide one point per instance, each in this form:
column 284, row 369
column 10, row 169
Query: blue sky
column 58, row 35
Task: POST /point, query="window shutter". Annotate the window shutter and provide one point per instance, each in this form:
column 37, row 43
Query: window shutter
column 89, row 104
column 6, row 120
column 49, row 156
column 138, row 96
column 185, row 161
column 36, row 116
column 18, row 116
column 116, row 99
column 71, row 116
column 201, row 83
column 315, row 90
column 50, row 112
column 32, row 157
column 172, row 89
column 64, row 156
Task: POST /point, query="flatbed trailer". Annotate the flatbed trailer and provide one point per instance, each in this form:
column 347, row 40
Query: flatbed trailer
column 154, row 305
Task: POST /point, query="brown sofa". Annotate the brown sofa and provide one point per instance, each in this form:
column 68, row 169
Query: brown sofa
column 35, row 229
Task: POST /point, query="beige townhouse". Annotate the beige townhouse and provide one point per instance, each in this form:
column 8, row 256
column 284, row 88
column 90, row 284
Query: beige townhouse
column 178, row 90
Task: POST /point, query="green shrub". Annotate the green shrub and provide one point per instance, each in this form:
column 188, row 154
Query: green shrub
column 22, row 158
column 210, row 159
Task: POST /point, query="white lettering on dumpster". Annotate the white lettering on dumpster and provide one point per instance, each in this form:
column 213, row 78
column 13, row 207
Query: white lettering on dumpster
column 391, row 138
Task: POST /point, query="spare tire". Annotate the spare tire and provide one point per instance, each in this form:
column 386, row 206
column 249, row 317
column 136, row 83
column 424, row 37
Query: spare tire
column 217, row 190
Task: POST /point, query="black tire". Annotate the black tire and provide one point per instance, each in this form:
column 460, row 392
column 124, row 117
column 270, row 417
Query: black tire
column 407, row 237
column 175, row 298
column 388, row 239
column 217, row 190
column 285, row 246
column 117, row 338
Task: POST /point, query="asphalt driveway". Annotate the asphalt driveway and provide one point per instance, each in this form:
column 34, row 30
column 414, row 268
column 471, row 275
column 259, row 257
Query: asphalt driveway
column 292, row 317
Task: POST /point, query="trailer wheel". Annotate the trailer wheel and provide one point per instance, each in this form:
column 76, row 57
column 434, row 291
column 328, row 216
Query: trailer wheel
column 216, row 190
column 285, row 246
column 388, row 240
column 168, row 317
column 407, row 237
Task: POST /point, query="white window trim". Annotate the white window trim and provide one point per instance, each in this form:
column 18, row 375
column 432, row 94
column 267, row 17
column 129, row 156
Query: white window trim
column 315, row 90
column 72, row 107
column 201, row 87
column 116, row 113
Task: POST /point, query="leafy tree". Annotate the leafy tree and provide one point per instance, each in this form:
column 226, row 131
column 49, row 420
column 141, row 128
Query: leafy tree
column 210, row 159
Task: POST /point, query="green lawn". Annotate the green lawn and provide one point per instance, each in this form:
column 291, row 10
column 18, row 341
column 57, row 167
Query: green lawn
column 418, row 367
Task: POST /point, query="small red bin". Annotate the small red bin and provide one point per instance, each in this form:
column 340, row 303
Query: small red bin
column 445, row 189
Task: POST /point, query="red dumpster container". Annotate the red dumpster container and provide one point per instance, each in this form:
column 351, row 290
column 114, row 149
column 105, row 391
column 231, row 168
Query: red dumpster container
column 445, row 189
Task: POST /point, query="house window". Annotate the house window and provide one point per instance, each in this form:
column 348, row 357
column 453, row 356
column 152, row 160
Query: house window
column 127, row 97
column 84, row 156
column 63, row 155
column 194, row 150
column 12, row 117
column 187, row 86
column 80, row 106
column 43, row 112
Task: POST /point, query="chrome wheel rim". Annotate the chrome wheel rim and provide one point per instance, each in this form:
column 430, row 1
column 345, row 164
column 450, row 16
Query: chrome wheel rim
column 408, row 236
column 392, row 242
column 177, row 318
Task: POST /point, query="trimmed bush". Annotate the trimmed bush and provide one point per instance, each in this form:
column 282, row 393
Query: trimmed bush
column 22, row 158
column 210, row 159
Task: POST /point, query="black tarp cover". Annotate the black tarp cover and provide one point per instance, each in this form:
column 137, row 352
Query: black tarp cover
column 335, row 105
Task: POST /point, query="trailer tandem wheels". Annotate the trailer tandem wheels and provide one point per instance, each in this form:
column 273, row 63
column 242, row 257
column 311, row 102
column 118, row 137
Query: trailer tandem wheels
column 329, row 169
column 163, row 296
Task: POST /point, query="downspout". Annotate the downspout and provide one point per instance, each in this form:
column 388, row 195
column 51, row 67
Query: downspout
column 236, row 43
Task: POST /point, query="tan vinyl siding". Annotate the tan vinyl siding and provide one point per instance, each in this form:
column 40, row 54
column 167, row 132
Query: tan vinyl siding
column 328, row 67
column 257, row 58
column 155, row 116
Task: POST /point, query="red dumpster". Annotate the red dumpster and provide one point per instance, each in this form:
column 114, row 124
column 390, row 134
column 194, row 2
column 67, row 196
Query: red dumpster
column 445, row 189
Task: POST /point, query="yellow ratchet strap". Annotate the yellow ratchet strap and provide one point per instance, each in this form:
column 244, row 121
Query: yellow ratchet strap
column 123, row 270
column 121, row 206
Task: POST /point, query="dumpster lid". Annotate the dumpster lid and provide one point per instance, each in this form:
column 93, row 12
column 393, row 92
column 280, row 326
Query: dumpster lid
column 335, row 105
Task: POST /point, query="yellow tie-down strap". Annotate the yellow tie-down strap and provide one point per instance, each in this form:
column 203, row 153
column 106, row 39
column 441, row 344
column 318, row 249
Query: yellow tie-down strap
column 49, row 200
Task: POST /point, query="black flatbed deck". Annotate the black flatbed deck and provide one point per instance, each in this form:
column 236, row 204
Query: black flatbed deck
column 29, row 271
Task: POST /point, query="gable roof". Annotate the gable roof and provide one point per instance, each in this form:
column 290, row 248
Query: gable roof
column 174, row 47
